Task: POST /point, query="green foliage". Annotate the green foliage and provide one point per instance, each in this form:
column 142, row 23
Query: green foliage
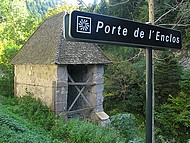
column 125, row 124
column 183, row 17
column 162, row 6
column 39, row 115
column 60, row 8
column 102, row 7
column 172, row 101
column 125, row 81
column 41, row 7
column 16, row 24
column 6, row 70
column 89, row 132
column 33, row 110
column 186, row 42
column 185, row 81
column 167, row 77
column 58, row 130
column 172, row 119
column 16, row 129
column 128, row 9
column 125, row 73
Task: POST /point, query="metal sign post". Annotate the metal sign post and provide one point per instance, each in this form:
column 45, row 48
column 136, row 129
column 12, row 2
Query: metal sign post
column 149, row 95
column 150, row 84
column 90, row 27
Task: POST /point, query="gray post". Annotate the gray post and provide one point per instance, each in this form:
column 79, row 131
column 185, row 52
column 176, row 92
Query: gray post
column 150, row 84
column 149, row 95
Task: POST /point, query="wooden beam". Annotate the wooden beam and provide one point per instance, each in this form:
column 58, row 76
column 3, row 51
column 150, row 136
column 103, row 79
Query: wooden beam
column 76, row 98
column 79, row 89
column 81, row 83
column 80, row 110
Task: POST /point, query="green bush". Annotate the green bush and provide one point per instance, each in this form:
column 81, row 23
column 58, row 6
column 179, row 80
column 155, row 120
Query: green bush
column 125, row 124
column 74, row 130
column 16, row 129
column 87, row 132
column 31, row 109
column 185, row 81
column 6, row 70
column 125, row 86
column 172, row 119
column 36, row 112
column 58, row 131
column 167, row 77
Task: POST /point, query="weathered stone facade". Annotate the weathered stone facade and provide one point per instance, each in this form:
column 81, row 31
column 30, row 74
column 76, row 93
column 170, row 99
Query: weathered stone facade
column 67, row 76
column 36, row 79
column 60, row 92
column 50, row 84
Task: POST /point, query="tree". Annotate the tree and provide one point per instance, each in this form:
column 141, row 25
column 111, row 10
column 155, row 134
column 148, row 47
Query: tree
column 185, row 81
column 125, row 81
column 6, row 70
column 172, row 119
column 167, row 78
column 59, row 8
column 162, row 7
column 102, row 7
column 124, row 90
column 174, row 14
column 128, row 9
column 16, row 23
column 41, row 7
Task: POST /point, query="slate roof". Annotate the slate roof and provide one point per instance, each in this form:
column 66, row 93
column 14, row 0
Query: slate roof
column 47, row 46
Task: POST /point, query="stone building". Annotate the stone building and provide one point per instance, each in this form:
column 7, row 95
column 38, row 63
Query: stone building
column 67, row 76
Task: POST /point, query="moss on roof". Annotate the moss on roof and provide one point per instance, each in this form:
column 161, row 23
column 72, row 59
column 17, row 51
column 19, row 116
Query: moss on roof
column 47, row 46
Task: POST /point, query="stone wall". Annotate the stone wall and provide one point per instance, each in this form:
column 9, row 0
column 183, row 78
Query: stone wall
column 96, row 93
column 36, row 79
column 49, row 83
column 61, row 90
column 96, row 96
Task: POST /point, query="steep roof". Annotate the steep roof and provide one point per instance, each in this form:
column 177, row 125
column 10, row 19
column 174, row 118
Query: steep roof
column 47, row 46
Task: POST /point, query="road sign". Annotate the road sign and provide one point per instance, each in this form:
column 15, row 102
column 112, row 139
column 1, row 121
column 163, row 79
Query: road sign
column 83, row 26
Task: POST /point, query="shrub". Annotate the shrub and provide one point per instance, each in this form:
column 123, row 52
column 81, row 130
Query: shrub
column 74, row 130
column 167, row 78
column 185, row 81
column 35, row 111
column 58, row 130
column 6, row 70
column 16, row 129
column 172, row 119
column 87, row 132
column 125, row 124
column 31, row 109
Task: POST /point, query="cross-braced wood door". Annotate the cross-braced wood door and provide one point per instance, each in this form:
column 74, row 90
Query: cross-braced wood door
column 80, row 83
